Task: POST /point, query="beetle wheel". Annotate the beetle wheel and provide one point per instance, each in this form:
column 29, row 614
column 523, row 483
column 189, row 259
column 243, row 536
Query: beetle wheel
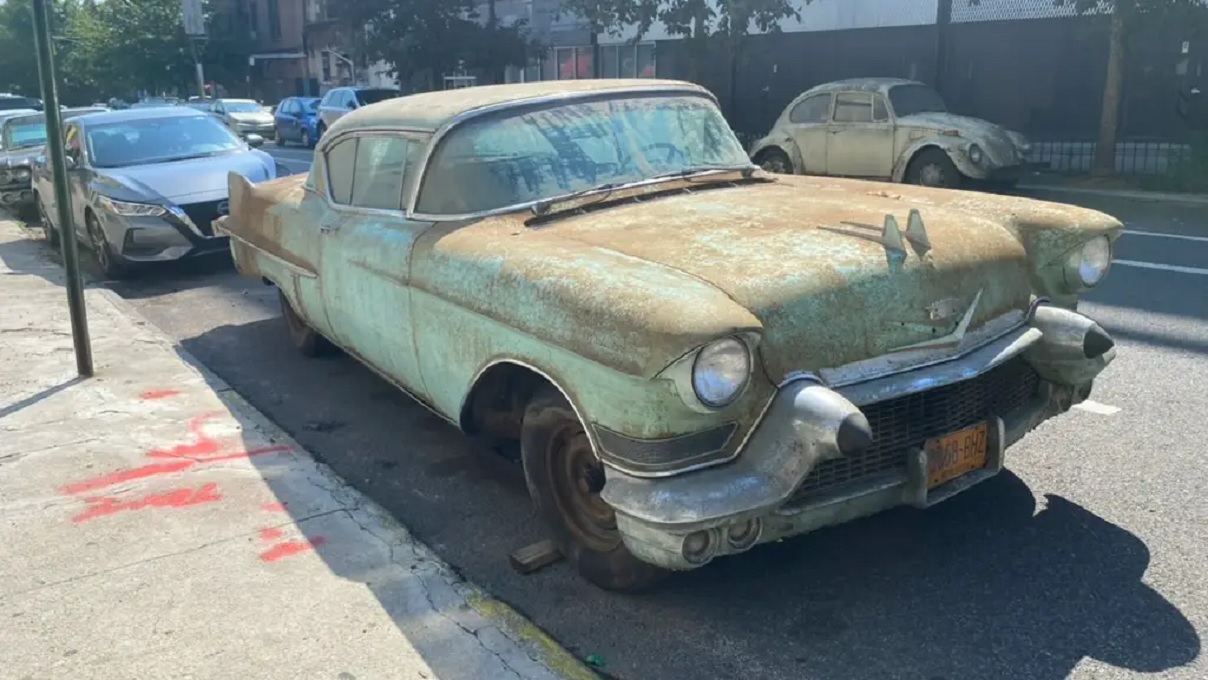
column 933, row 168
column 565, row 479
column 776, row 161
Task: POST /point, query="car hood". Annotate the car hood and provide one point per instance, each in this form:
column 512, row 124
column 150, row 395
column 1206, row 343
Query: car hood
column 188, row 181
column 806, row 259
column 1000, row 144
column 264, row 117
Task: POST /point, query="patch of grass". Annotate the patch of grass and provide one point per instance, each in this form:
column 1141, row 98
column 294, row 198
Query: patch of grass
column 1190, row 175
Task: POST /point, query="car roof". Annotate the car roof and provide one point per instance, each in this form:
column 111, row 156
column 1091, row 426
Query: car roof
column 431, row 110
column 63, row 115
column 869, row 84
column 147, row 113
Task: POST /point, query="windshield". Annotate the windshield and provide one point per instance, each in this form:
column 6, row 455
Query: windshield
column 158, row 140
column 910, row 99
column 241, row 106
column 24, row 133
column 520, row 158
column 375, row 96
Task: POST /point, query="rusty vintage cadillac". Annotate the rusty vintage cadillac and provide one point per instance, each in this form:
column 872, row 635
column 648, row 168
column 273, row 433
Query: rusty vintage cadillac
column 694, row 356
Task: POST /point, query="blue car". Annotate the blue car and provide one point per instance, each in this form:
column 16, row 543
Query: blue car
column 295, row 119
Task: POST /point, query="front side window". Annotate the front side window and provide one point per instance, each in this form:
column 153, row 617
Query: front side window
column 377, row 180
column 158, row 140
column 815, row 109
column 853, row 107
column 514, row 158
column 911, row 99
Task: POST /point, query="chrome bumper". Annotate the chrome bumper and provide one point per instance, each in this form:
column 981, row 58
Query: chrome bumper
column 683, row 522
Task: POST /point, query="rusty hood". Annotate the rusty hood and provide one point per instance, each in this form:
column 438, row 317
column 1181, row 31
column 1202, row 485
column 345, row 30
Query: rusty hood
column 808, row 259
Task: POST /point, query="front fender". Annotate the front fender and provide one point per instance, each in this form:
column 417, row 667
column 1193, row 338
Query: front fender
column 949, row 144
column 783, row 142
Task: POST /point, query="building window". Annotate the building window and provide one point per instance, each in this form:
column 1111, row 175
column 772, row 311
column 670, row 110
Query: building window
column 253, row 15
column 274, row 20
column 325, row 61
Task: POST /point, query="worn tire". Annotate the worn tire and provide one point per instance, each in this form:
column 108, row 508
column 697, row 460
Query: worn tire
column 775, row 161
column 933, row 168
column 308, row 341
column 552, row 443
column 277, row 138
column 48, row 227
column 106, row 259
column 306, row 140
column 320, row 131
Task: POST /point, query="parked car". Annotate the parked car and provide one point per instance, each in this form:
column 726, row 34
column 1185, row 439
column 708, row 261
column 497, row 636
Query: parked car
column 296, row 120
column 22, row 139
column 206, row 105
column 695, row 356
column 244, row 116
column 146, row 184
column 10, row 102
column 341, row 100
column 890, row 129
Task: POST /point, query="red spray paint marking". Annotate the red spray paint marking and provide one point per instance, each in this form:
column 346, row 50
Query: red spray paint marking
column 150, row 395
column 178, row 498
column 273, row 507
column 290, row 548
column 271, row 534
column 203, row 449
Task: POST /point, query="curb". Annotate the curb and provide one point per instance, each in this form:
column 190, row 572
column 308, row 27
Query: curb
column 514, row 625
column 1148, row 196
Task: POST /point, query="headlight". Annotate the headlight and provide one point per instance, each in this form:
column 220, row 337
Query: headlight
column 975, row 153
column 1086, row 266
column 131, row 209
column 21, row 173
column 720, row 372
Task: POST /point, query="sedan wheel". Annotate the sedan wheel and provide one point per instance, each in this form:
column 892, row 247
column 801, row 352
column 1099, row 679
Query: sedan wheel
column 52, row 234
column 105, row 257
column 277, row 138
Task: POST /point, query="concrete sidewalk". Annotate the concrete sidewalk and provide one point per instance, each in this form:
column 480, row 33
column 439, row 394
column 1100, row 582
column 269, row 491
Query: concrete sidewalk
column 156, row 525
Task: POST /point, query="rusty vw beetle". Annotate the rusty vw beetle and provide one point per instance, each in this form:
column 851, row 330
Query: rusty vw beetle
column 694, row 356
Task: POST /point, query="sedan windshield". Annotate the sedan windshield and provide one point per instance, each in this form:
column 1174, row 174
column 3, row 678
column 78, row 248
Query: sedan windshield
column 911, row 99
column 158, row 140
column 520, row 158
column 241, row 106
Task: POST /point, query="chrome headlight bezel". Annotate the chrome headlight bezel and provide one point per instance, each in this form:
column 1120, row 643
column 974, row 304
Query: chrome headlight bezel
column 681, row 373
column 721, row 371
column 976, row 154
column 21, row 174
column 130, row 209
column 1088, row 264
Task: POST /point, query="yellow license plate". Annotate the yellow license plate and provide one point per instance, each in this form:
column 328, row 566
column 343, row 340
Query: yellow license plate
column 953, row 455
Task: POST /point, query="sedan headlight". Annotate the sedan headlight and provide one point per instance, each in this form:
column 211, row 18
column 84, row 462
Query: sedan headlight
column 126, row 209
column 1087, row 265
column 720, row 372
column 975, row 153
column 21, row 173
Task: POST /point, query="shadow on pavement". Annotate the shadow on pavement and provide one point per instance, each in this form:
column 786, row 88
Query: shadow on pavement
column 984, row 586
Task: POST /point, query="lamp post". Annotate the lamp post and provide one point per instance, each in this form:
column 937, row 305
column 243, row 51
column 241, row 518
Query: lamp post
column 58, row 164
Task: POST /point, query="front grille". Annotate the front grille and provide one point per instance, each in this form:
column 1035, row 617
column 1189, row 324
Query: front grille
column 202, row 214
column 905, row 423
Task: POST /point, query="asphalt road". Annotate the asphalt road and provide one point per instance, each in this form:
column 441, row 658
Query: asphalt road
column 1088, row 558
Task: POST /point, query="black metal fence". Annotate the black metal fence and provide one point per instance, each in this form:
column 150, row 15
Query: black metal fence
column 1020, row 63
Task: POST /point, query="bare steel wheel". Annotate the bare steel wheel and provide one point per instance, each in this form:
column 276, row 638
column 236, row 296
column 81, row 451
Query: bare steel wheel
column 776, row 161
column 933, row 168
column 305, row 339
column 565, row 479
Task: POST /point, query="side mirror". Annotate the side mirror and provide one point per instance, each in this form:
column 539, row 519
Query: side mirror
column 255, row 141
column 70, row 162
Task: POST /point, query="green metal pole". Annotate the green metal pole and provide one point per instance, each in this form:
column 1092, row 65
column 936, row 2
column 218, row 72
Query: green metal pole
column 58, row 164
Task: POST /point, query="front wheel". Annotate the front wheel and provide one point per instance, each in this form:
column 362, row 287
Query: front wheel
column 933, row 168
column 776, row 161
column 108, row 261
column 564, row 480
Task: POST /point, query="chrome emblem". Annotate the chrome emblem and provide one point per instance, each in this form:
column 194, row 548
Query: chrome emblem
column 957, row 334
column 224, row 208
column 942, row 310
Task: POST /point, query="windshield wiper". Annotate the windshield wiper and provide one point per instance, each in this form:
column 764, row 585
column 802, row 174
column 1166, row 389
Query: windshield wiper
column 542, row 207
column 746, row 170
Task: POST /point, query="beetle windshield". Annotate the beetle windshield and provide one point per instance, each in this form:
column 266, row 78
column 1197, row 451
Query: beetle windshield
column 531, row 155
column 910, row 99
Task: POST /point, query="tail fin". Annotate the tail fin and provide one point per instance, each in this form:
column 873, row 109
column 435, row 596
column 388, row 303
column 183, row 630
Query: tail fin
column 240, row 197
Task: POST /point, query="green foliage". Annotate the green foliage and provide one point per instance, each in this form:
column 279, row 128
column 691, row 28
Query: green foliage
column 112, row 48
column 422, row 39
column 688, row 18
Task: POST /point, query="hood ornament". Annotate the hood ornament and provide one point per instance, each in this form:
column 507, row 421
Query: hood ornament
column 892, row 238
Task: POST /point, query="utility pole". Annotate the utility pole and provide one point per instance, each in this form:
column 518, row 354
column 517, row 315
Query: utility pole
column 58, row 164
column 194, row 21
column 943, row 20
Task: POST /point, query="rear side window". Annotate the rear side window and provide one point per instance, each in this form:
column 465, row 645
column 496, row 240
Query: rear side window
column 380, row 172
column 853, row 107
column 815, row 109
column 340, row 161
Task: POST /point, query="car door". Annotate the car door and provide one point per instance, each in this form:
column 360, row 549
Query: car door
column 78, row 174
column 860, row 137
column 281, row 120
column 365, row 260
column 807, row 127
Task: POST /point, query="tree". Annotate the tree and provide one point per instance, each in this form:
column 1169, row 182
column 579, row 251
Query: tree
column 421, row 39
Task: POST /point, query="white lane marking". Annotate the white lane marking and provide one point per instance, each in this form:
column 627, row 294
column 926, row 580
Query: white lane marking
column 1095, row 407
column 1203, row 239
column 1163, row 267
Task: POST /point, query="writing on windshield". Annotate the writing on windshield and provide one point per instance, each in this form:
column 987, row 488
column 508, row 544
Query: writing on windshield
column 519, row 158
column 141, row 142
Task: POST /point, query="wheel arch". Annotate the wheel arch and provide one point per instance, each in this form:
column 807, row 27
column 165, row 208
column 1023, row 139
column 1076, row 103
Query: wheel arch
column 947, row 144
column 782, row 144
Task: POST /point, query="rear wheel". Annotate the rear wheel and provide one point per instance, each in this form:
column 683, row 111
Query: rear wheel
column 110, row 265
column 277, row 138
column 306, row 340
column 48, row 228
column 565, row 479
column 933, row 168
